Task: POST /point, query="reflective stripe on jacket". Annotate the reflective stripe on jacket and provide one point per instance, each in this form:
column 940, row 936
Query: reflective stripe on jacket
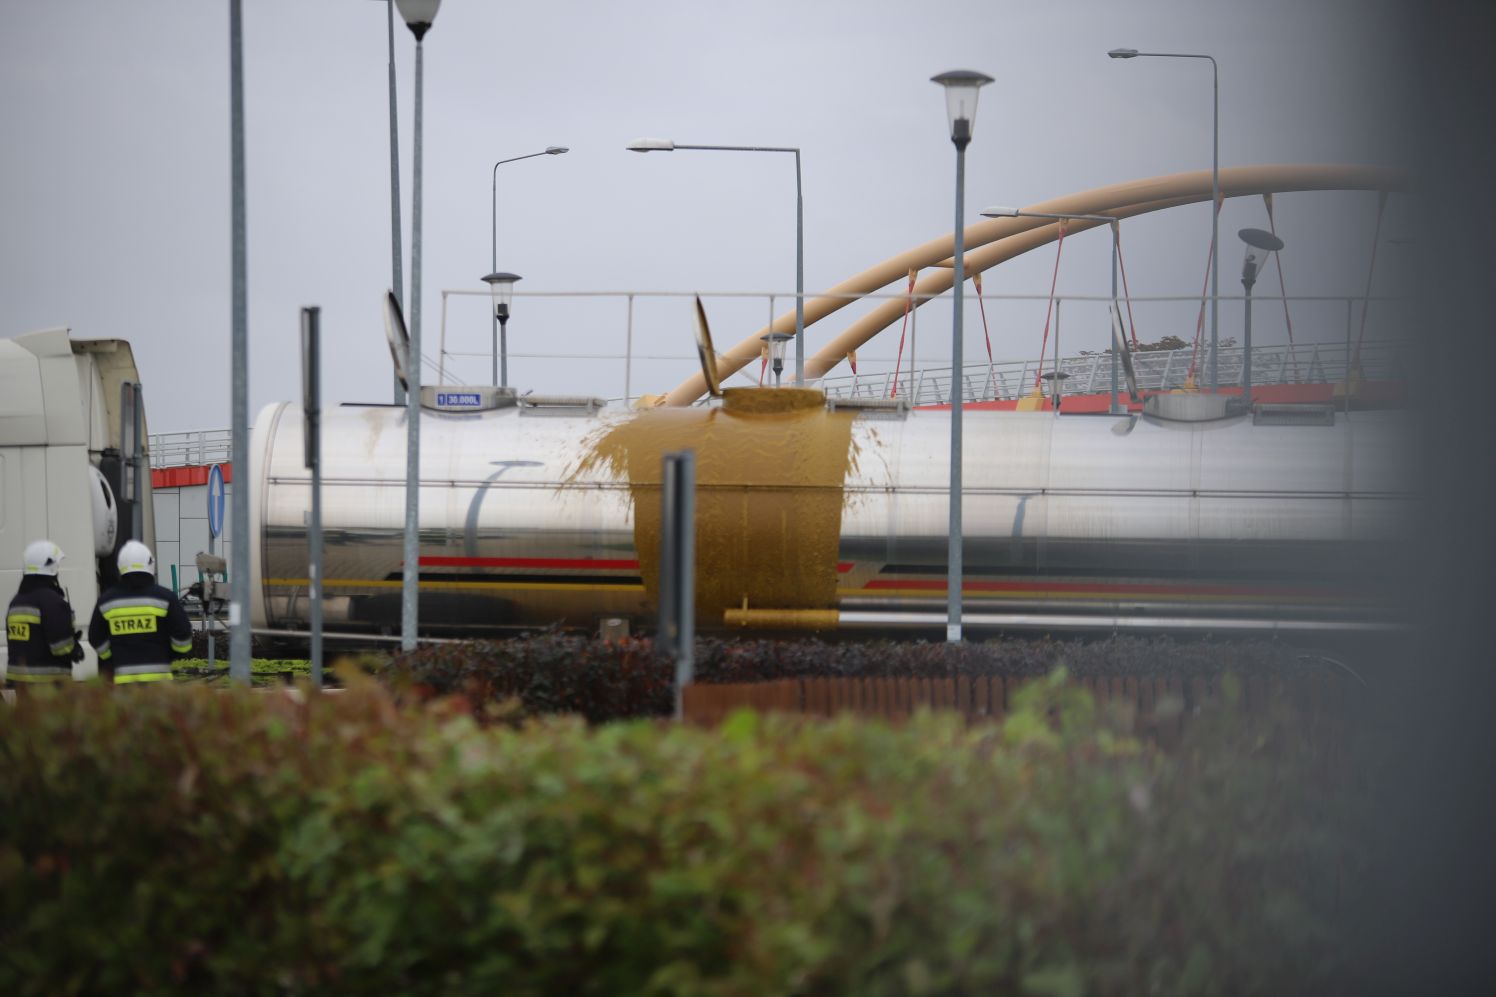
column 142, row 673
column 18, row 672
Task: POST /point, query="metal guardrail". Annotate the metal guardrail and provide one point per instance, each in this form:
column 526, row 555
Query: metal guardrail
column 207, row 446
column 1091, row 373
column 643, row 336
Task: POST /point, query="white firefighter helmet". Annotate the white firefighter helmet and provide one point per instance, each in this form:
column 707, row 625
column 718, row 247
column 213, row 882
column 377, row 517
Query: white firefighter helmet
column 136, row 556
column 42, row 557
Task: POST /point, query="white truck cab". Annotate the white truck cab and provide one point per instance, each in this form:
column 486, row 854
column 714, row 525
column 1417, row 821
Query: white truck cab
column 74, row 466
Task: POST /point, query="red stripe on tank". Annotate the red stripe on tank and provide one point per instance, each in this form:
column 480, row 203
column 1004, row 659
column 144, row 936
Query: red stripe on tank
column 1120, row 589
column 602, row 564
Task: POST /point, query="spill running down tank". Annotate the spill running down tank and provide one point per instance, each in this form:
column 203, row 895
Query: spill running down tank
column 814, row 516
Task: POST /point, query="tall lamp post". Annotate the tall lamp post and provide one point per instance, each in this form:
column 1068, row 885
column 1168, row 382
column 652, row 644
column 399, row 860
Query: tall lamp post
column 493, row 258
column 961, row 89
column 239, row 638
column 666, row 145
column 501, row 292
column 1259, row 244
column 1000, row 212
column 418, row 15
column 396, row 281
column 1215, row 197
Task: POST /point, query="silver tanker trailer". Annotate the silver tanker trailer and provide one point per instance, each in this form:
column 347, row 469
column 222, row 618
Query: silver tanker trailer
column 821, row 516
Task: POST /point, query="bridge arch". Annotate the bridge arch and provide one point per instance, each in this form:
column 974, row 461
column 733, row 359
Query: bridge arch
column 996, row 240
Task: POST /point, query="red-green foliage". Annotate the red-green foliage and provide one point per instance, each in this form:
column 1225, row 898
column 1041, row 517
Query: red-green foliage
column 191, row 841
column 549, row 673
column 563, row 673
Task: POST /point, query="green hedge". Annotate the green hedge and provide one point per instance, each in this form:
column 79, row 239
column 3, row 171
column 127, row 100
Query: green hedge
column 188, row 840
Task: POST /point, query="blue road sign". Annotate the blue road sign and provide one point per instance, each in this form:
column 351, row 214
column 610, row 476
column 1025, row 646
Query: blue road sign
column 215, row 500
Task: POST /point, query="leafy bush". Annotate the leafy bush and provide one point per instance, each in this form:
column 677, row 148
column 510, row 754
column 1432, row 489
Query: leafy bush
column 260, row 646
column 190, row 840
column 549, row 673
column 602, row 680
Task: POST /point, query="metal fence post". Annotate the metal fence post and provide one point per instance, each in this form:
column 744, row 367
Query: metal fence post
column 628, row 355
column 913, row 338
column 676, row 636
column 1345, row 396
column 311, row 397
column 441, row 357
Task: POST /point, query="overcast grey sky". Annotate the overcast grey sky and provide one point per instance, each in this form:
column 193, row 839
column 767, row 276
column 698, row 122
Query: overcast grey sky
column 114, row 186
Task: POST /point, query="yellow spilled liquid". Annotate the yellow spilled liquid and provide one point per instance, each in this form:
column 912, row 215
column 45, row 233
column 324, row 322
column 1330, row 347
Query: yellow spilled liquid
column 770, row 468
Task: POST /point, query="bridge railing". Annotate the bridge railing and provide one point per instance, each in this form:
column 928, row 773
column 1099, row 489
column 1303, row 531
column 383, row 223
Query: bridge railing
column 207, row 446
column 647, row 343
column 1161, row 370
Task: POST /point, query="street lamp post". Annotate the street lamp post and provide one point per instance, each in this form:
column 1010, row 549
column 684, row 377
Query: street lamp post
column 239, row 637
column 493, row 259
column 961, row 89
column 501, row 292
column 1215, row 196
column 1000, row 212
column 1259, row 244
column 418, row 15
column 396, row 281
column 666, row 145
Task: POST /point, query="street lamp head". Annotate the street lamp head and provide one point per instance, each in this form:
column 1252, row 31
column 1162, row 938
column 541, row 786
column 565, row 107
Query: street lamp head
column 777, row 341
column 998, row 211
column 501, row 289
column 1259, row 244
column 961, row 88
column 651, row 145
column 1123, row 53
column 555, row 150
column 418, row 15
column 1260, row 239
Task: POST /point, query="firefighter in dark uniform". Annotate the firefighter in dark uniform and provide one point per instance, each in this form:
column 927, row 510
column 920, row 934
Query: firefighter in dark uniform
column 41, row 641
column 138, row 627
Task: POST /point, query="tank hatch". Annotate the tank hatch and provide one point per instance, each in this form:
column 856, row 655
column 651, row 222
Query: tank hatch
column 1188, row 407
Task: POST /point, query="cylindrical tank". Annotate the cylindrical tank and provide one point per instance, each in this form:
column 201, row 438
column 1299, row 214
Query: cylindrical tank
column 814, row 516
